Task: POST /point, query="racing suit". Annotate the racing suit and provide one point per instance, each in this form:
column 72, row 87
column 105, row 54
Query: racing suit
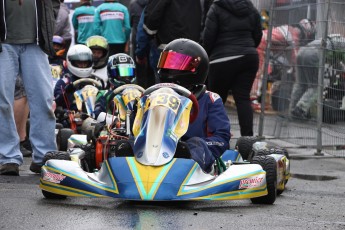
column 209, row 135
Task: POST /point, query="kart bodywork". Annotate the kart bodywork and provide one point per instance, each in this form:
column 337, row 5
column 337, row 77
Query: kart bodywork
column 180, row 179
column 155, row 172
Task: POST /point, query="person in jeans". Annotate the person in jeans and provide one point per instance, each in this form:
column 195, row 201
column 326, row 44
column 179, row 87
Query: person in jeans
column 26, row 32
column 304, row 93
column 234, row 59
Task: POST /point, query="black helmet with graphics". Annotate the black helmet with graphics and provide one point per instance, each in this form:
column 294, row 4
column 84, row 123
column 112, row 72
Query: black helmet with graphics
column 121, row 69
column 183, row 62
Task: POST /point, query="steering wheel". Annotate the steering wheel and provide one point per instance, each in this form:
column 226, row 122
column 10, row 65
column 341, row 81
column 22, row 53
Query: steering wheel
column 121, row 88
column 180, row 90
column 88, row 80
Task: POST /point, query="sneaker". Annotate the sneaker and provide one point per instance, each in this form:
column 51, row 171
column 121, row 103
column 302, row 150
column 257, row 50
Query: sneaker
column 10, row 169
column 26, row 152
column 299, row 113
column 27, row 144
column 35, row 167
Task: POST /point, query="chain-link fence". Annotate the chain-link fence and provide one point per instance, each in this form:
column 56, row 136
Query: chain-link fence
column 301, row 80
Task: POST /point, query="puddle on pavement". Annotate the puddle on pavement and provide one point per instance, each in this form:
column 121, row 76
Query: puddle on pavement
column 313, row 177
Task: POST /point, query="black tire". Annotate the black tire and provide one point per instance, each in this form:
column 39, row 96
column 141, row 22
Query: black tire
column 270, row 166
column 280, row 151
column 62, row 138
column 59, row 126
column 60, row 156
column 244, row 145
column 265, row 152
column 88, row 164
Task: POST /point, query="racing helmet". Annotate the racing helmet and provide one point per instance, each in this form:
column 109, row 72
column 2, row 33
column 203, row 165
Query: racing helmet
column 75, row 55
column 121, row 69
column 98, row 43
column 183, row 62
column 308, row 28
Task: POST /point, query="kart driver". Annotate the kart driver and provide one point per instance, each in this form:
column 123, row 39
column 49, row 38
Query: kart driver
column 185, row 62
column 79, row 63
column 100, row 52
column 121, row 71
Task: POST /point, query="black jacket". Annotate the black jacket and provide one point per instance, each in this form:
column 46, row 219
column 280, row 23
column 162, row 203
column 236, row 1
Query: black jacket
column 232, row 27
column 172, row 19
column 47, row 11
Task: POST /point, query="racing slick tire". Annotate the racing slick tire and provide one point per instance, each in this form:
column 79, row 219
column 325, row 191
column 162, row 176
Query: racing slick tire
column 59, row 156
column 62, row 138
column 244, row 145
column 266, row 152
column 269, row 165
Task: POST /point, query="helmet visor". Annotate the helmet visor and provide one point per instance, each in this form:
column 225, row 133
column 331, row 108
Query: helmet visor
column 123, row 71
column 177, row 61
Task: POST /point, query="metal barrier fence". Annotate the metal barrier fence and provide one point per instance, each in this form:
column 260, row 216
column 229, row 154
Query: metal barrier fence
column 303, row 83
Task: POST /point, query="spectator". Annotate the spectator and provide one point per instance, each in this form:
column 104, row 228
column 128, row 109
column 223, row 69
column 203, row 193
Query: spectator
column 162, row 22
column 112, row 22
column 234, row 60
column 285, row 40
column 100, row 52
column 304, row 93
column 146, row 56
column 135, row 9
column 24, row 53
column 63, row 25
column 21, row 114
column 186, row 63
column 82, row 21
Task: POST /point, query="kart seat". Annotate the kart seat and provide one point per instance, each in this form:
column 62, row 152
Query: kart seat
column 182, row 150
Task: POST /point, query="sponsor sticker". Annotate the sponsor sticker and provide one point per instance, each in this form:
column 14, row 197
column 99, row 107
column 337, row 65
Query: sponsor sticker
column 53, row 177
column 250, row 182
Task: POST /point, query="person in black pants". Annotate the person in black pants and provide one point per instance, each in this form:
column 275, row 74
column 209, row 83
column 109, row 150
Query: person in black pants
column 231, row 34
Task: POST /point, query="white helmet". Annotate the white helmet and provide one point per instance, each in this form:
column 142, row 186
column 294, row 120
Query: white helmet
column 76, row 54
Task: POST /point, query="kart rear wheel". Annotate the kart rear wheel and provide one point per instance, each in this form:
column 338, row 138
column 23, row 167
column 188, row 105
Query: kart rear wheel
column 59, row 156
column 266, row 152
column 269, row 165
column 244, row 145
column 62, row 138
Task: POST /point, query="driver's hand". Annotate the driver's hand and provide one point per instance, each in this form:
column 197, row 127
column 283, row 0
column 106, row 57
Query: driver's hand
column 69, row 88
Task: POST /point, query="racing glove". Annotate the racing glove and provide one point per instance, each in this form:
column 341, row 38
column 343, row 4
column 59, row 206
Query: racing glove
column 69, row 88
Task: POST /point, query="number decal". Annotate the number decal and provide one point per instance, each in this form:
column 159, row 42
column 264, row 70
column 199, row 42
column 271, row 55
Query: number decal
column 165, row 99
column 130, row 95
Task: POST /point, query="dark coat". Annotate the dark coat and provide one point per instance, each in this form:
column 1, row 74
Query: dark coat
column 232, row 27
column 47, row 12
column 172, row 19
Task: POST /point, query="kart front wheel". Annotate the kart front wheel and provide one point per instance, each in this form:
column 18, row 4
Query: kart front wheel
column 59, row 156
column 269, row 165
column 53, row 196
column 244, row 145
column 62, row 138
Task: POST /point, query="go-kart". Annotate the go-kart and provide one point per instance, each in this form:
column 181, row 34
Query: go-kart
column 100, row 138
column 70, row 121
column 154, row 171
